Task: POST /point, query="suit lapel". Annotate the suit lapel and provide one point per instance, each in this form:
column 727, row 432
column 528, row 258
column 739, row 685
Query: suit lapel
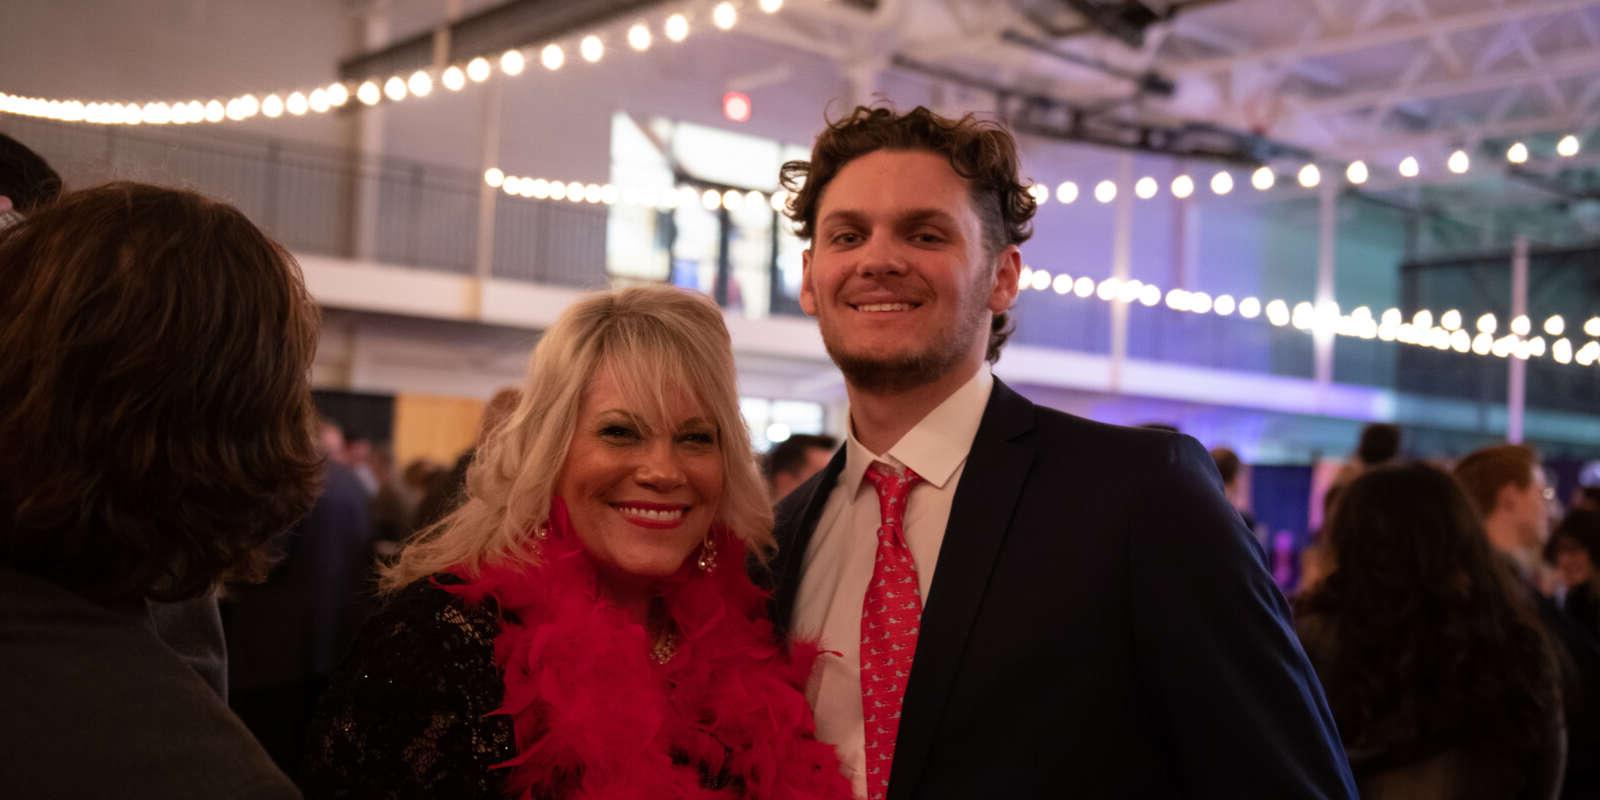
column 980, row 515
column 796, row 522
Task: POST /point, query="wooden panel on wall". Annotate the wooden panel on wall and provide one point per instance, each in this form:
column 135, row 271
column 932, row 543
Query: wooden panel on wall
column 433, row 427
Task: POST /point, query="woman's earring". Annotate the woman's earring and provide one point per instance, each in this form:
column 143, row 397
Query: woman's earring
column 708, row 555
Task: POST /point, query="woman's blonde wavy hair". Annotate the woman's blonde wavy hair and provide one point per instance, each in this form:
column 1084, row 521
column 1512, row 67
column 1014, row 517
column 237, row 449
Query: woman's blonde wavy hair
column 655, row 340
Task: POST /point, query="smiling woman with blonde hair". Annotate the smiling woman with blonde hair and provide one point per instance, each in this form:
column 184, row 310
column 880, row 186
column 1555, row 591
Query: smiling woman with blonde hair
column 583, row 624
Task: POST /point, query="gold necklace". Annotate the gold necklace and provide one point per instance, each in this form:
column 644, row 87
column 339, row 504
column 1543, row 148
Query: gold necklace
column 664, row 647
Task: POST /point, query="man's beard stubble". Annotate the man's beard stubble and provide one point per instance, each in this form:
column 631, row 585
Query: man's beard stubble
column 913, row 370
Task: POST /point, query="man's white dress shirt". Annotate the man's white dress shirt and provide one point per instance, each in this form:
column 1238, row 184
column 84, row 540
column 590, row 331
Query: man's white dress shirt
column 839, row 558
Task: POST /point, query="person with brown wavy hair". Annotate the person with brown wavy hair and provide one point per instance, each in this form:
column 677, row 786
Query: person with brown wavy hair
column 155, row 408
column 1439, row 674
column 1012, row 601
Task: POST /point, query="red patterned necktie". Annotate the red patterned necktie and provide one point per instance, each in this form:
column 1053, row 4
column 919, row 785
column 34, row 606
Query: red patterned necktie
column 890, row 616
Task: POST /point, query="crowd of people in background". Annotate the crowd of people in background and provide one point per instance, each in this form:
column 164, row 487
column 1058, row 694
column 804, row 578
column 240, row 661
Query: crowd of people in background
column 1451, row 610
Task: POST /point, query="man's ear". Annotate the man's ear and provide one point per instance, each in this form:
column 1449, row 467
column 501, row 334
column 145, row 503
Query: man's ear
column 808, row 298
column 1008, row 270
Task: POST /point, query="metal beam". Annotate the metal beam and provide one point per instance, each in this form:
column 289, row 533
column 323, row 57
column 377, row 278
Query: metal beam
column 513, row 24
column 1378, row 37
column 1586, row 61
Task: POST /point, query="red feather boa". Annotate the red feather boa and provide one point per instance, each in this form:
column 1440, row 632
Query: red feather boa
column 595, row 718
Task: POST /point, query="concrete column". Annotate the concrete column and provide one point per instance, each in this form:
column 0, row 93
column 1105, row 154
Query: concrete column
column 1517, row 373
column 1121, row 266
column 1327, row 236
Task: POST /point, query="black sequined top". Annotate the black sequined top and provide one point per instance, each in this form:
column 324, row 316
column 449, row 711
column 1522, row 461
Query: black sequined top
column 404, row 716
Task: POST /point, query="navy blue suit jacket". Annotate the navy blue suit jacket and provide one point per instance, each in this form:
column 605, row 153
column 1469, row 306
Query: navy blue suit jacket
column 1100, row 624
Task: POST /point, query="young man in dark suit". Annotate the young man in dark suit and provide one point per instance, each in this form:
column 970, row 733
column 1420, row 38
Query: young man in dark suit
column 1021, row 603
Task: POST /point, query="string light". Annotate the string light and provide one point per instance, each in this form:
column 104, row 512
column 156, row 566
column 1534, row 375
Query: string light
column 1458, row 162
column 1146, row 188
column 420, row 84
column 369, row 93
column 453, row 78
column 1450, row 320
column 1521, row 325
column 592, row 49
column 1592, row 327
column 297, row 104
column 1221, row 183
column 1182, row 187
column 1105, row 191
column 552, row 57
column 771, row 6
column 639, row 37
column 512, row 62
column 1263, row 178
column 478, row 69
column 1309, row 176
column 1357, row 173
column 1517, row 153
column 676, row 27
column 1067, row 193
column 1568, row 146
column 1487, row 324
column 1039, row 193
column 724, row 16
column 1555, row 325
column 1409, row 168
column 394, row 89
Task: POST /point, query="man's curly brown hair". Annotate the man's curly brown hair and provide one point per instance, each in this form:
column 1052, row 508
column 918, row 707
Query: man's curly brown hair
column 982, row 152
column 155, row 402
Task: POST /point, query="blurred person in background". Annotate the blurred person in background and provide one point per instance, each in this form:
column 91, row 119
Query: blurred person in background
column 1379, row 444
column 157, row 417
column 583, row 625
column 446, row 488
column 1235, row 484
column 794, row 460
column 1575, row 546
column 1507, row 486
column 286, row 634
column 27, row 182
column 1440, row 678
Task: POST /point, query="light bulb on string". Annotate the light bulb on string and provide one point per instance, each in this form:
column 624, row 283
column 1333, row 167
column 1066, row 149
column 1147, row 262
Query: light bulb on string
column 1182, row 187
column 369, row 93
column 1488, row 324
column 494, row 177
column 1568, row 146
column 1521, row 325
column 676, row 27
column 453, row 78
column 552, row 57
column 512, row 62
column 724, row 16
column 1592, row 327
column 1555, row 325
column 1249, row 308
column 1458, row 162
column 272, row 106
column 478, row 69
column 1409, row 168
column 297, row 104
column 338, row 95
column 394, row 89
column 592, row 49
column 1221, row 183
column 1357, row 173
column 1066, row 193
column 1450, row 320
column 420, row 83
column 1263, row 178
column 1039, row 192
column 1517, row 153
column 1146, row 188
column 319, row 100
column 639, row 37
column 1105, row 191
column 771, row 6
column 1309, row 176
